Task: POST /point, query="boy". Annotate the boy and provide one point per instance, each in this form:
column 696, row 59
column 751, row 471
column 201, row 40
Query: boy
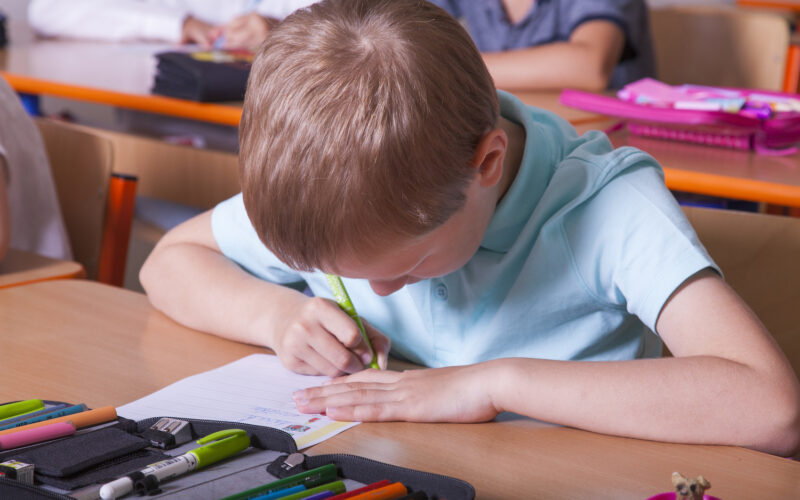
column 499, row 248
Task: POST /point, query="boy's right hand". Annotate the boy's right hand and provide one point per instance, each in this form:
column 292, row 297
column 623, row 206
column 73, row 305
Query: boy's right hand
column 318, row 338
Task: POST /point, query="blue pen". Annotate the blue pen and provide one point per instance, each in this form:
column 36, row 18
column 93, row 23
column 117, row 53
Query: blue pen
column 70, row 410
column 280, row 493
column 33, row 414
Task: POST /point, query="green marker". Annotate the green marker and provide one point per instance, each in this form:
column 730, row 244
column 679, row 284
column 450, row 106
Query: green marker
column 12, row 410
column 335, row 487
column 340, row 294
column 309, row 479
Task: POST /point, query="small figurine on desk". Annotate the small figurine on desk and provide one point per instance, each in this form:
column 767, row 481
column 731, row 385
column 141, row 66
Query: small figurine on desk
column 689, row 488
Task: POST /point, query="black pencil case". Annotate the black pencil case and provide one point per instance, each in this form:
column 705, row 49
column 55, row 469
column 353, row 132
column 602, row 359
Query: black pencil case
column 272, row 455
column 205, row 77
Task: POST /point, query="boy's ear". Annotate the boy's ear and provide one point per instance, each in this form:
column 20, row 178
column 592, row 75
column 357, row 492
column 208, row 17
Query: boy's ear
column 489, row 156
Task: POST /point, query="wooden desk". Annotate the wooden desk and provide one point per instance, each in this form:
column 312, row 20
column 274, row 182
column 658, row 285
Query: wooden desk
column 20, row 268
column 722, row 172
column 115, row 74
column 85, row 342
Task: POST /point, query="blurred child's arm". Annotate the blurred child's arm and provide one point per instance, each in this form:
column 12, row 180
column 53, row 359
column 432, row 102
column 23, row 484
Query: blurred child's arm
column 189, row 279
column 247, row 31
column 106, row 20
column 585, row 61
column 728, row 383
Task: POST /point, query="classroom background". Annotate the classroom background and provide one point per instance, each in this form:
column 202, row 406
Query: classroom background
column 149, row 162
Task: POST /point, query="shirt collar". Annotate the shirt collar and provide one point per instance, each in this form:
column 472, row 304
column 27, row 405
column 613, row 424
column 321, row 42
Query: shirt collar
column 536, row 168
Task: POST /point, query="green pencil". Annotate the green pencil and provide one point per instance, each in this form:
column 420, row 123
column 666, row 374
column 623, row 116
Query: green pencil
column 343, row 299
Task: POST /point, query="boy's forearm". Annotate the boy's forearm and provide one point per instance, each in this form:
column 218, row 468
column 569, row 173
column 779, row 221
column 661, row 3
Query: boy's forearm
column 202, row 289
column 699, row 399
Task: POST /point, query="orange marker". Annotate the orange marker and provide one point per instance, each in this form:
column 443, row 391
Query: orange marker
column 394, row 490
column 79, row 420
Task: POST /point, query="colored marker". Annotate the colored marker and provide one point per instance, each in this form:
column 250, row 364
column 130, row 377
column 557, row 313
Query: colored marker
column 12, row 410
column 216, row 446
column 335, row 487
column 320, row 496
column 81, row 420
column 363, row 489
column 47, row 409
column 309, row 479
column 41, row 416
column 343, row 299
column 36, row 435
column 281, row 493
column 390, row 492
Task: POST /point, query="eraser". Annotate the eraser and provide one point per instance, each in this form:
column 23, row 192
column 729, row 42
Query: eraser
column 20, row 471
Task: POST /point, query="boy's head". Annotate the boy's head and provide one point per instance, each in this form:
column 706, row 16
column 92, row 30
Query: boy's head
column 359, row 127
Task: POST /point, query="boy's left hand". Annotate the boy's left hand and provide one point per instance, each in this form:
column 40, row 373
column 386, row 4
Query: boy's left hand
column 453, row 394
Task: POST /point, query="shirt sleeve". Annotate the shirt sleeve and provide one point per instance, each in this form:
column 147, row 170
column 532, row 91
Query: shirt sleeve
column 238, row 241
column 577, row 13
column 115, row 20
column 632, row 245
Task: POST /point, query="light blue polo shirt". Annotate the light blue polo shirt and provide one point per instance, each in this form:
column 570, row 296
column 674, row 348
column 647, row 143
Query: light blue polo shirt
column 579, row 258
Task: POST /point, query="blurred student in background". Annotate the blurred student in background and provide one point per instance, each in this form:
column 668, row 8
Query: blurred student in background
column 30, row 217
column 551, row 44
column 229, row 23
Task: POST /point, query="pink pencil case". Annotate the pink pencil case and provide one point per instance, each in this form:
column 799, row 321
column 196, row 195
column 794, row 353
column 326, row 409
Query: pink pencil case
column 775, row 135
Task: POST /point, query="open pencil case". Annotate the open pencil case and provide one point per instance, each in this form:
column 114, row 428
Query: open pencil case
column 765, row 131
column 272, row 455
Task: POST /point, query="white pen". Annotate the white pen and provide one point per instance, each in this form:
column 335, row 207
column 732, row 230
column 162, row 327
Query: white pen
column 220, row 445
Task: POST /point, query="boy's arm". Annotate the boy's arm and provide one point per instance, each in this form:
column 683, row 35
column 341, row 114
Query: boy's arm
column 728, row 383
column 188, row 278
column 585, row 61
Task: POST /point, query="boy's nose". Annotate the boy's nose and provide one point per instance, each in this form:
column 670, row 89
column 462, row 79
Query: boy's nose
column 384, row 288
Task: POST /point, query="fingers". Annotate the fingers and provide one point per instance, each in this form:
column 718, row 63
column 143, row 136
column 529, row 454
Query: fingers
column 345, row 330
column 246, row 31
column 381, row 344
column 353, row 401
column 315, row 346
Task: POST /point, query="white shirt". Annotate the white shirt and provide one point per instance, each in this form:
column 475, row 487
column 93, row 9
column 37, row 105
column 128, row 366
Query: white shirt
column 160, row 20
column 36, row 222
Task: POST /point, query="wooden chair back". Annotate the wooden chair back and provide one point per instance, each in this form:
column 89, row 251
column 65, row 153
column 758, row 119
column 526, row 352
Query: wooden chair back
column 720, row 45
column 97, row 205
column 759, row 255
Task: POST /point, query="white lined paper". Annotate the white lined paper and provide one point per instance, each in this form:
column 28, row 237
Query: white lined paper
column 255, row 390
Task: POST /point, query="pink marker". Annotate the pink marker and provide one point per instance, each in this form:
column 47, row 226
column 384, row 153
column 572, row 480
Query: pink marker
column 36, row 435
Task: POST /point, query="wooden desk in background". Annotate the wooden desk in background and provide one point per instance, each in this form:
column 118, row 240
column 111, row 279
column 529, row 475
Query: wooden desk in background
column 103, row 345
column 20, row 268
column 714, row 171
column 114, row 74
column 121, row 75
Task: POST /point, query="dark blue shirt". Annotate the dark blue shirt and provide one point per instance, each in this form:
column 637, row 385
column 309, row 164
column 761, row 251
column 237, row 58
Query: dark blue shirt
column 554, row 21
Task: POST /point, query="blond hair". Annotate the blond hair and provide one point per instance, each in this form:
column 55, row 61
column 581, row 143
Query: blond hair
column 359, row 125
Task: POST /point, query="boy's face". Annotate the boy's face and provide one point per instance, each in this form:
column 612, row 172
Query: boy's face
column 437, row 253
